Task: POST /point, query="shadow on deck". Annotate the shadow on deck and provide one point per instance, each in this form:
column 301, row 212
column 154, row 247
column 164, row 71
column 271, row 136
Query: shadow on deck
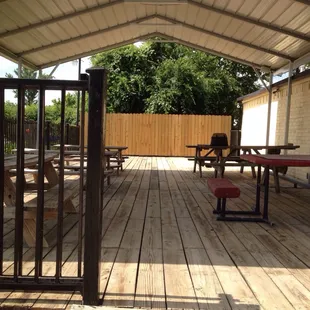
column 163, row 248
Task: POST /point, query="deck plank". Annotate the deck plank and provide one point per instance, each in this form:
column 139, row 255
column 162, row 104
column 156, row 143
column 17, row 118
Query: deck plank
column 163, row 248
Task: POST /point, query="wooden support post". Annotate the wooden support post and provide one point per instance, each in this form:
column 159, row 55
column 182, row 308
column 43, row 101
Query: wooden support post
column 94, row 185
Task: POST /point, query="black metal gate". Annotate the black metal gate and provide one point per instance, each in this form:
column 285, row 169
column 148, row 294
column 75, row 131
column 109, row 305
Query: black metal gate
column 13, row 206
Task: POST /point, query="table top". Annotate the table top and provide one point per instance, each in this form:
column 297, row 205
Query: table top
column 110, row 153
column 72, row 146
column 109, row 147
column 120, row 148
column 244, row 147
column 34, row 151
column 279, row 160
column 30, row 160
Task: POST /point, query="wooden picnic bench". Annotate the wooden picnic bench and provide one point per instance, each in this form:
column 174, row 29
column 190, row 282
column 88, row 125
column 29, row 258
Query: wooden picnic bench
column 219, row 162
column 116, row 162
column 71, row 187
column 76, row 159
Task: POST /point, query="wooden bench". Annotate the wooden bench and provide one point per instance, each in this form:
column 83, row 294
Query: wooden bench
column 71, row 188
column 223, row 189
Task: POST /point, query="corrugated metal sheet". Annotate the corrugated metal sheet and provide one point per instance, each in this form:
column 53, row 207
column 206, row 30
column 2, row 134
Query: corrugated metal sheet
column 258, row 32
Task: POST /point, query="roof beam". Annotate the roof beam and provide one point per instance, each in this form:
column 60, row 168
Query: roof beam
column 206, row 50
column 297, row 63
column 286, row 31
column 149, row 36
column 99, row 50
column 167, row 19
column 60, row 18
column 88, row 35
column 15, row 58
column 306, row 2
column 230, row 39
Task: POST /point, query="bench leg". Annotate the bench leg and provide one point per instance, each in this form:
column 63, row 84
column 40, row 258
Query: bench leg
column 218, row 207
column 51, row 174
column 69, row 206
column 9, row 190
column 276, row 179
column 30, row 233
column 223, row 211
column 253, row 172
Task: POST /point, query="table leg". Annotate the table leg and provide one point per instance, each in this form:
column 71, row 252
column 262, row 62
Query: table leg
column 108, row 166
column 241, row 168
column 266, row 193
column 195, row 159
column 258, row 188
column 30, row 233
column 121, row 158
column 276, row 179
column 199, row 163
column 9, row 190
column 50, row 174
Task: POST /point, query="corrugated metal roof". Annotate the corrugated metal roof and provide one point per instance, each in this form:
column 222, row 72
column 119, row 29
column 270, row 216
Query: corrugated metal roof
column 297, row 77
column 266, row 33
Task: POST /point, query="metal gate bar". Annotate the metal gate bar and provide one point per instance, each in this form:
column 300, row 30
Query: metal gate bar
column 39, row 282
column 61, row 188
column 19, row 212
column 1, row 175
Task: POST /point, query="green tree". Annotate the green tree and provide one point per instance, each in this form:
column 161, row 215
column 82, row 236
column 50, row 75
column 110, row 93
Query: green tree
column 31, row 96
column 170, row 78
column 10, row 110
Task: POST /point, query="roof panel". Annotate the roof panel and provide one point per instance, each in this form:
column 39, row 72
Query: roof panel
column 234, row 5
column 264, row 7
column 64, row 5
column 66, row 28
column 248, row 7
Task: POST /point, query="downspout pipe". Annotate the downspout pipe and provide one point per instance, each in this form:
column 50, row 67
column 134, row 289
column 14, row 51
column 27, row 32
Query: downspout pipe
column 269, row 108
column 288, row 105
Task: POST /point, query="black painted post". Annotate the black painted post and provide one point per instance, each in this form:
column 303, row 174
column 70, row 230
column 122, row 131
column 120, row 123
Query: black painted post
column 48, row 135
column 67, row 132
column 94, row 184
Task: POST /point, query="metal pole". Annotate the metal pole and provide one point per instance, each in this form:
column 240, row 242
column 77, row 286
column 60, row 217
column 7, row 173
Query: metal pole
column 20, row 67
column 38, row 114
column 269, row 109
column 288, row 105
column 78, row 97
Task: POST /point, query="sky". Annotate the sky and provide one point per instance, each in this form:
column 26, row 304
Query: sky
column 66, row 71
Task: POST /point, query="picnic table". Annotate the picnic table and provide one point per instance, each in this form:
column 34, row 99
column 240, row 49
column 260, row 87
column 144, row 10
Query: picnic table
column 268, row 161
column 71, row 149
column 219, row 161
column 76, row 159
column 29, row 207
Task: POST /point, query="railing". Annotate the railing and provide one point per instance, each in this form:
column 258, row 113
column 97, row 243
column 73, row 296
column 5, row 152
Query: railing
column 87, row 283
column 52, row 134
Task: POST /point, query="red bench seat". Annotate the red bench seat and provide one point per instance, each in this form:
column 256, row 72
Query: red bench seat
column 223, row 188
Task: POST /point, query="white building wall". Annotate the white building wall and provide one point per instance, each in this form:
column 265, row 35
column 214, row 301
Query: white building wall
column 255, row 120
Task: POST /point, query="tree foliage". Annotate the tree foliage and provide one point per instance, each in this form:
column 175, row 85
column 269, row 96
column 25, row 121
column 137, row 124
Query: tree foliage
column 31, row 96
column 52, row 112
column 170, row 78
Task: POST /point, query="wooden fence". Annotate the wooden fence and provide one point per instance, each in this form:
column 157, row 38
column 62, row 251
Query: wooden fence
column 162, row 135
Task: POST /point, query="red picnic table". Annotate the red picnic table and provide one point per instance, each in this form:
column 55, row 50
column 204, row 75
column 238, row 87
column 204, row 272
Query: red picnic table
column 268, row 161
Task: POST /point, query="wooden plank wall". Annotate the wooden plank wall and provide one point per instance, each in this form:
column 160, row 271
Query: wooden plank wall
column 162, row 135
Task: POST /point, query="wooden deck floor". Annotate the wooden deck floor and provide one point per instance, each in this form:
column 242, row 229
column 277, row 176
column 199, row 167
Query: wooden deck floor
column 162, row 247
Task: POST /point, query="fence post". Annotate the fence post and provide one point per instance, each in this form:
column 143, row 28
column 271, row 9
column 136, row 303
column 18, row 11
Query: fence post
column 94, row 184
column 67, row 133
column 47, row 134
